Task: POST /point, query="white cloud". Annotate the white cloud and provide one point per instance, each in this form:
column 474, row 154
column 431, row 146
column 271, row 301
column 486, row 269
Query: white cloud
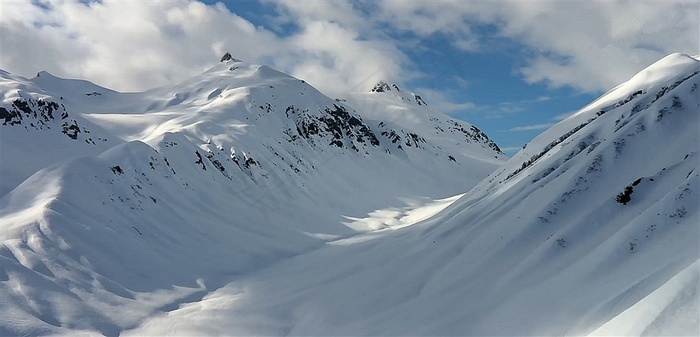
column 337, row 47
column 532, row 127
column 591, row 46
column 342, row 45
column 441, row 101
column 336, row 59
column 137, row 45
column 124, row 45
column 511, row 149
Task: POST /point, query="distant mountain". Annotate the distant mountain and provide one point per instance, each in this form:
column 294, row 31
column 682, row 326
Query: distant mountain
column 117, row 206
column 408, row 110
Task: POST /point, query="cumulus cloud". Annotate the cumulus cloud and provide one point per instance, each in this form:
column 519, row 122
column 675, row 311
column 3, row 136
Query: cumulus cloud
column 342, row 45
column 139, row 45
column 336, row 47
column 124, row 45
column 334, row 58
column 594, row 46
column 591, row 46
column 441, row 100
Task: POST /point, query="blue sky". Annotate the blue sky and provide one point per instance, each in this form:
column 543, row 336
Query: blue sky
column 510, row 68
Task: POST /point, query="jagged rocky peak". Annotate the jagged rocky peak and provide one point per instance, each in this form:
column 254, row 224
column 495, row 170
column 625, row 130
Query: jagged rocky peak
column 419, row 100
column 227, row 57
column 382, row 86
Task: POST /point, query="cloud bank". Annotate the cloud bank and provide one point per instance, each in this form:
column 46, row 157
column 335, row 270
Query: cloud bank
column 340, row 46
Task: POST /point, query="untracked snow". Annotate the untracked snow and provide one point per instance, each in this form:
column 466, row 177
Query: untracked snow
column 244, row 202
column 118, row 206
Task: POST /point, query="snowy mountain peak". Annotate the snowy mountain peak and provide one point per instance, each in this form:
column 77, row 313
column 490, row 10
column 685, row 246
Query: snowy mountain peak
column 248, row 110
column 45, row 74
column 382, row 86
column 228, row 58
column 393, row 89
column 669, row 68
column 658, row 77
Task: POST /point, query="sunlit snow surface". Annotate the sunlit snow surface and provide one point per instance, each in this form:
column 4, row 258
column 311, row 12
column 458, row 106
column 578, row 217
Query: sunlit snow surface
column 140, row 239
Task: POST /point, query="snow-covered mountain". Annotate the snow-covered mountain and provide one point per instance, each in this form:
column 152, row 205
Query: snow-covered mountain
column 116, row 206
column 591, row 229
column 244, row 202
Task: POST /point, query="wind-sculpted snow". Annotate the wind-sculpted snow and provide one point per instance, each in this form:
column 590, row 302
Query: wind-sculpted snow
column 244, row 202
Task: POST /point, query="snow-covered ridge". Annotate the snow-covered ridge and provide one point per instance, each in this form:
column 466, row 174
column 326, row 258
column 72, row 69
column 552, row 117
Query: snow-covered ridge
column 382, row 86
column 598, row 235
column 245, row 202
column 408, row 110
column 156, row 198
column 38, row 130
column 230, row 101
column 636, row 95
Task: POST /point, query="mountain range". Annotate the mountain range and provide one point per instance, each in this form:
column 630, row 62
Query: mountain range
column 243, row 201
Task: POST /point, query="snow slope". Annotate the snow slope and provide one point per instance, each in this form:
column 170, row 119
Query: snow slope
column 38, row 130
column 591, row 229
column 117, row 206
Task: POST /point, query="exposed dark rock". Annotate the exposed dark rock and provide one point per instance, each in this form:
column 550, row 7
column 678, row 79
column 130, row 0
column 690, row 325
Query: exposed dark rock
column 249, row 161
column 474, row 134
column 200, row 161
column 117, row 170
column 381, row 87
column 419, row 100
column 39, row 114
column 5, row 115
column 71, row 130
column 626, row 195
column 226, row 57
column 343, row 128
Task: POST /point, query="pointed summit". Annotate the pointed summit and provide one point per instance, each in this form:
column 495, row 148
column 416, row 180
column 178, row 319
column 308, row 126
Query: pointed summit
column 381, row 86
column 226, row 57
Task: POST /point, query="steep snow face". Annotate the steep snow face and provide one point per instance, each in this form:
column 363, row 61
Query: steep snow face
column 591, row 229
column 410, row 111
column 38, row 130
column 594, row 215
column 116, row 206
column 197, row 222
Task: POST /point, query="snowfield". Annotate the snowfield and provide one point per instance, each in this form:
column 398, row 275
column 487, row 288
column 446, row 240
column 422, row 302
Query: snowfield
column 245, row 202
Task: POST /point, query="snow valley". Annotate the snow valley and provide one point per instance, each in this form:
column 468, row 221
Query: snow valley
column 243, row 201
